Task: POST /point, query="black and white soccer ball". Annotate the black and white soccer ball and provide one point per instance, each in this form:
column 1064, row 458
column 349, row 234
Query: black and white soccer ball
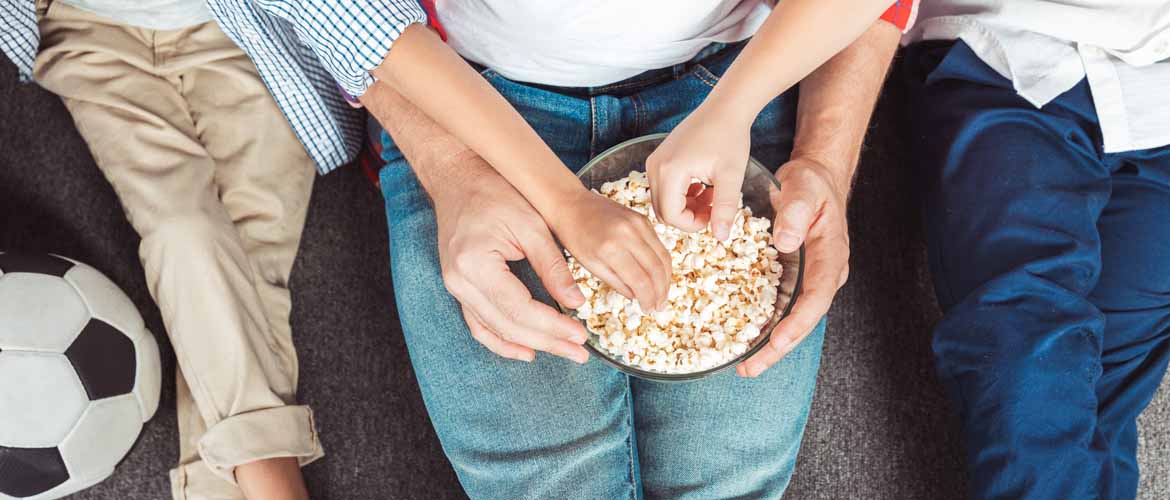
column 79, row 375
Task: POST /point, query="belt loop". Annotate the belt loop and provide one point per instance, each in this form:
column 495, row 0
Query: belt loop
column 679, row 69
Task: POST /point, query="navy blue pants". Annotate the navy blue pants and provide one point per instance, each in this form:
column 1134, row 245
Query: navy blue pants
column 1051, row 261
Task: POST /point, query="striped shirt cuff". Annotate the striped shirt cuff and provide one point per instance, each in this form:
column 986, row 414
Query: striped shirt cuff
column 349, row 37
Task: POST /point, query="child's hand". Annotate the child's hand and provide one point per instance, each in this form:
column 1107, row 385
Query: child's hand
column 616, row 244
column 711, row 148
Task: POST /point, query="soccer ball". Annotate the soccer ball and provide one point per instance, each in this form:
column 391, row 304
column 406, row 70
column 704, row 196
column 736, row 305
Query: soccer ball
column 79, row 375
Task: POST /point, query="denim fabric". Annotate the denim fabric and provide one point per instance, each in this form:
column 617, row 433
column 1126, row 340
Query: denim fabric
column 1049, row 260
column 551, row 429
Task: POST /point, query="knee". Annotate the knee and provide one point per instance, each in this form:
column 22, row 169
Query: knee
column 1027, row 396
column 189, row 237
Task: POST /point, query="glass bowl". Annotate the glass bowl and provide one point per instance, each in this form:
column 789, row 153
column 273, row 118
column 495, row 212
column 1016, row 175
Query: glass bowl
column 760, row 193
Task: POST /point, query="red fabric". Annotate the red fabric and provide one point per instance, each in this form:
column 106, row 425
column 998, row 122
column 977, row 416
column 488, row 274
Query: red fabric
column 433, row 17
column 901, row 14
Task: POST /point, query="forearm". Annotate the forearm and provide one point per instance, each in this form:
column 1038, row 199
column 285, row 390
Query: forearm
column 436, row 156
column 798, row 36
column 431, row 76
column 836, row 102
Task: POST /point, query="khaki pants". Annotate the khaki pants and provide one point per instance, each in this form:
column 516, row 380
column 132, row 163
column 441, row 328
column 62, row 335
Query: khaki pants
column 213, row 179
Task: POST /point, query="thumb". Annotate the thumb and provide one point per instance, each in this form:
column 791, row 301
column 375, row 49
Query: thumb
column 549, row 263
column 793, row 217
column 724, row 205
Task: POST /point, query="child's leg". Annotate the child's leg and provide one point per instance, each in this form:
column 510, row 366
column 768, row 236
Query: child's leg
column 264, row 178
column 132, row 114
column 262, row 171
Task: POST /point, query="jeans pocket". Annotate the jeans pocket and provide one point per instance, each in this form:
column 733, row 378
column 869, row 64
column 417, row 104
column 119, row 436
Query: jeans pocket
column 710, row 69
column 705, row 75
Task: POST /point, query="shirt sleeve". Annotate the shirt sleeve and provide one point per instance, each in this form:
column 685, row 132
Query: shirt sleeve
column 902, row 14
column 349, row 37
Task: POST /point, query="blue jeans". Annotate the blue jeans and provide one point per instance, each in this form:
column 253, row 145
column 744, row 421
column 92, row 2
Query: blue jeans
column 1049, row 259
column 552, row 429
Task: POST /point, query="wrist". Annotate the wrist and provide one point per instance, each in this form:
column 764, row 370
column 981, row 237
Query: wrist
column 838, row 172
column 727, row 112
column 566, row 199
column 454, row 177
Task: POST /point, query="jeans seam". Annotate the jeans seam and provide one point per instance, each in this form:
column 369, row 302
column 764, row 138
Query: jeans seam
column 637, row 115
column 630, row 438
column 705, row 75
column 593, row 125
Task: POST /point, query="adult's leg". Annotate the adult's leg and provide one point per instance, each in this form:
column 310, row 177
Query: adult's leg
column 546, row 429
column 1013, row 201
column 1134, row 294
column 196, row 267
column 265, row 178
column 726, row 436
column 723, row 436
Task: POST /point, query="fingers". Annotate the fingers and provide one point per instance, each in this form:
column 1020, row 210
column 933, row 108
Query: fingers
column 658, row 260
column 506, row 322
column 827, row 271
column 669, row 196
column 650, row 278
column 728, row 189
column 549, row 263
column 493, row 342
column 795, row 214
column 503, row 306
column 633, row 271
column 630, row 258
column 699, row 203
column 605, row 273
column 515, row 309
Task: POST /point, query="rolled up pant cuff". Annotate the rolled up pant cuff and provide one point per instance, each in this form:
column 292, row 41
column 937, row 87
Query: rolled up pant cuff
column 286, row 431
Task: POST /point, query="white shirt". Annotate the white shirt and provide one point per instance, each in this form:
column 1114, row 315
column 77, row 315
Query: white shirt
column 1045, row 47
column 577, row 43
column 149, row 14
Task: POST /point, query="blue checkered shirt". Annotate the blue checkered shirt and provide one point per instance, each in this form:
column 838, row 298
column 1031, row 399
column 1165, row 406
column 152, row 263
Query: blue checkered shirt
column 303, row 49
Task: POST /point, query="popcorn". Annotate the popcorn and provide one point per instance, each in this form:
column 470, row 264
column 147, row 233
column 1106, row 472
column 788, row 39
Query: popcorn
column 721, row 293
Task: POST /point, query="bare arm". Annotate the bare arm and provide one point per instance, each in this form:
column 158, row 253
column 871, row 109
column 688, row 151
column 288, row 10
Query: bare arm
column 712, row 144
column 615, row 243
column 801, row 33
column 836, row 102
column 434, row 78
column 434, row 154
column 798, row 37
column 482, row 224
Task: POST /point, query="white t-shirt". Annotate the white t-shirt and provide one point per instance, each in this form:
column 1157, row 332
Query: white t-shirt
column 581, row 43
column 149, row 14
column 1045, row 47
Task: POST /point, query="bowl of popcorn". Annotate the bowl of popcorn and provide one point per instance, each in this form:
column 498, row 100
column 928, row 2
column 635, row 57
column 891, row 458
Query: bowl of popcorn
column 725, row 296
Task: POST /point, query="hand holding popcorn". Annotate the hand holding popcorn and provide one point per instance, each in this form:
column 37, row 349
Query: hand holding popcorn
column 720, row 294
column 616, row 244
column 711, row 147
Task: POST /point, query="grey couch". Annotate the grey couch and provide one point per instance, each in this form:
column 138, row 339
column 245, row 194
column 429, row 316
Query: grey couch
column 880, row 425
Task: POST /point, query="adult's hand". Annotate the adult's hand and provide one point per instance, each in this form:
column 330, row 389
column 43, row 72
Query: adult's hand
column 812, row 204
column 835, row 105
column 483, row 223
